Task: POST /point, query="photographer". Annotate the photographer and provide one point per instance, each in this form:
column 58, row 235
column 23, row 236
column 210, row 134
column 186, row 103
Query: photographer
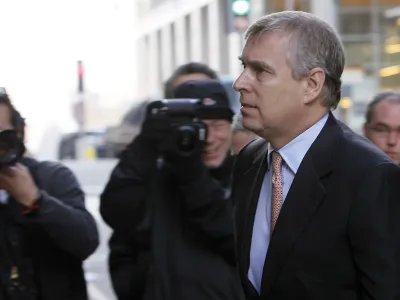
column 46, row 232
column 179, row 214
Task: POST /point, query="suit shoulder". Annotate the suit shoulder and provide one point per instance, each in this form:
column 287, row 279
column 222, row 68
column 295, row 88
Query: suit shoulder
column 252, row 147
column 247, row 155
column 359, row 153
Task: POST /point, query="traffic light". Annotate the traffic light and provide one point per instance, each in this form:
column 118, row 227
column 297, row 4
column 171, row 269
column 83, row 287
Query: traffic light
column 240, row 11
column 241, row 7
column 81, row 74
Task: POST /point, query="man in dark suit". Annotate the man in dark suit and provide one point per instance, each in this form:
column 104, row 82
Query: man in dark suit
column 317, row 207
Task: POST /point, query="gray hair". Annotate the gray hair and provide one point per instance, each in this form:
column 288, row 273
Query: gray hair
column 391, row 96
column 312, row 43
column 237, row 125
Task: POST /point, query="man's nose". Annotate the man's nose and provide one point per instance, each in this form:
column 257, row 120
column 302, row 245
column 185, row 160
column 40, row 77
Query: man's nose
column 210, row 135
column 240, row 83
column 393, row 138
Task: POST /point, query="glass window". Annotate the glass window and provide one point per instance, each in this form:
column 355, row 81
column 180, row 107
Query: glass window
column 355, row 23
column 390, row 54
column 279, row 5
column 358, row 53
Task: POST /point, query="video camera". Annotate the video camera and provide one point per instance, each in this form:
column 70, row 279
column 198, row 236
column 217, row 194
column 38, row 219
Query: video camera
column 11, row 146
column 188, row 132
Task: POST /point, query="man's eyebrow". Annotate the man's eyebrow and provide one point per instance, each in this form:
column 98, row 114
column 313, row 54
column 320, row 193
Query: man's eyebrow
column 257, row 64
column 380, row 124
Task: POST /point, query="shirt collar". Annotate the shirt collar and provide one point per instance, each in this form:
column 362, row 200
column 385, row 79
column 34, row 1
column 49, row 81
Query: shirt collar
column 294, row 152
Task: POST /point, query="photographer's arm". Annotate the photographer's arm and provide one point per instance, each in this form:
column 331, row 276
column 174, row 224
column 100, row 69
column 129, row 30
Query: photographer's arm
column 208, row 209
column 56, row 207
column 127, row 266
column 123, row 201
column 62, row 214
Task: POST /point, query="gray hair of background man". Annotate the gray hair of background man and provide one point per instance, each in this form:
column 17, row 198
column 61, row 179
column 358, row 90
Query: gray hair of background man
column 312, row 43
column 237, row 124
column 391, row 96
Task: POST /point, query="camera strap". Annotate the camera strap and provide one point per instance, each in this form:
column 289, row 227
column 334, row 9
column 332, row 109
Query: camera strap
column 20, row 278
column 162, row 259
column 17, row 275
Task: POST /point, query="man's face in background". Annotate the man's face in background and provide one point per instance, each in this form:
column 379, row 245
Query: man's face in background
column 384, row 128
column 218, row 142
column 219, row 131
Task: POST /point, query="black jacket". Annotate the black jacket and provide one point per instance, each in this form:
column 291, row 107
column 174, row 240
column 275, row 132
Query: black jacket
column 179, row 237
column 56, row 239
column 338, row 233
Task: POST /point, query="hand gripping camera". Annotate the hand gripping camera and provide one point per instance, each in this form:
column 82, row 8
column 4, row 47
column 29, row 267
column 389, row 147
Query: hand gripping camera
column 189, row 134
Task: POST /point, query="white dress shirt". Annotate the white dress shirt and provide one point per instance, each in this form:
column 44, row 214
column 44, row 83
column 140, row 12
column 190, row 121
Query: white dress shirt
column 292, row 154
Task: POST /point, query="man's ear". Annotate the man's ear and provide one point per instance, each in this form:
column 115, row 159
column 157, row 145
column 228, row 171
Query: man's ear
column 314, row 84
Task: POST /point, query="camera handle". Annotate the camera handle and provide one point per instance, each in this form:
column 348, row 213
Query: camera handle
column 160, row 162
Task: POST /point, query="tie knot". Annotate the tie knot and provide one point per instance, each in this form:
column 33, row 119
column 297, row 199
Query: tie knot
column 276, row 162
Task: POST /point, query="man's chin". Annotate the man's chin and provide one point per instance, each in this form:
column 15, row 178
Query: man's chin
column 213, row 163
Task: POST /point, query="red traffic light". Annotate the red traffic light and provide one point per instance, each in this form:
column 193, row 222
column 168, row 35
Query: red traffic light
column 80, row 69
column 81, row 87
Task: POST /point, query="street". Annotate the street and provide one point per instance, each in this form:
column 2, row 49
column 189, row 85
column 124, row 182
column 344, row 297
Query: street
column 93, row 175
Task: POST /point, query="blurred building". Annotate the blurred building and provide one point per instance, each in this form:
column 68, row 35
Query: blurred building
column 173, row 32
column 102, row 109
column 370, row 31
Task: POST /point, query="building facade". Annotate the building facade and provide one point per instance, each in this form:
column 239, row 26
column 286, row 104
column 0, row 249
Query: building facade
column 173, row 32
column 370, row 32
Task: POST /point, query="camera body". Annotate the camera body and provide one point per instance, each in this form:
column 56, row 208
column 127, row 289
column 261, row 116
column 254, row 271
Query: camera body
column 11, row 145
column 189, row 134
column 11, row 148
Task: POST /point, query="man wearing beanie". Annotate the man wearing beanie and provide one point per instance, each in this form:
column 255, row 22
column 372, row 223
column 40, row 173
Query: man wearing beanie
column 180, row 214
column 217, row 115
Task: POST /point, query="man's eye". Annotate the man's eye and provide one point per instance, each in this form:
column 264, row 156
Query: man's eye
column 216, row 125
column 261, row 72
column 380, row 129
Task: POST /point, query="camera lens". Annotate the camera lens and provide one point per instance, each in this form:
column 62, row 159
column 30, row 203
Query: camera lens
column 187, row 138
column 11, row 148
